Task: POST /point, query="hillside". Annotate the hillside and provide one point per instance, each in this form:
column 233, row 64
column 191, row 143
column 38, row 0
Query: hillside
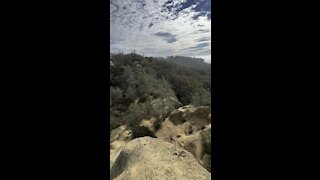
column 189, row 62
column 146, row 87
column 185, row 134
column 168, row 100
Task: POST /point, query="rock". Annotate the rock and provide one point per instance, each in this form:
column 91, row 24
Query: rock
column 198, row 117
column 152, row 158
column 119, row 137
column 121, row 133
column 113, row 156
column 149, row 123
column 185, row 127
column 115, row 145
column 206, row 162
column 115, row 149
column 188, row 128
column 177, row 117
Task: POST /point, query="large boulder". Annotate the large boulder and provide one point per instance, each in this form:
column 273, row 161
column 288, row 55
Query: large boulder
column 115, row 149
column 153, row 158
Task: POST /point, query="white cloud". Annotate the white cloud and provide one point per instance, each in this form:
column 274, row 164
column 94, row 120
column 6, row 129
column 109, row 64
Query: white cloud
column 134, row 25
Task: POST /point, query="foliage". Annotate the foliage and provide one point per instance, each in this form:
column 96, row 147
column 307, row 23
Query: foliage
column 135, row 114
column 201, row 97
column 144, row 87
column 157, row 124
column 115, row 118
column 206, row 139
column 116, row 95
column 142, row 131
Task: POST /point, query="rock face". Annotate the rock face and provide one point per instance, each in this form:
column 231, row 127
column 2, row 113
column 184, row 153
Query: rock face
column 185, row 127
column 153, row 158
column 121, row 133
column 198, row 117
column 119, row 137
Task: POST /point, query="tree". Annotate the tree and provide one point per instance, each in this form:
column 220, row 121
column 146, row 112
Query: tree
column 115, row 95
column 131, row 93
column 201, row 97
column 165, row 93
column 153, row 87
column 136, row 112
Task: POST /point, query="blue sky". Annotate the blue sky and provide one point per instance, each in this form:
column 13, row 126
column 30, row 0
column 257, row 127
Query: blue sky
column 161, row 27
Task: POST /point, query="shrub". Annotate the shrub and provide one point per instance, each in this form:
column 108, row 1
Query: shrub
column 141, row 131
column 114, row 122
column 206, row 139
column 157, row 124
column 134, row 115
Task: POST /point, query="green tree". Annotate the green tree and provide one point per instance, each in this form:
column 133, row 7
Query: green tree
column 201, row 97
column 115, row 95
column 165, row 93
column 145, row 87
column 136, row 112
column 131, row 94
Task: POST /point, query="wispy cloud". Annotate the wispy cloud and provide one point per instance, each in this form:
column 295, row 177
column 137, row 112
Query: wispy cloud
column 161, row 27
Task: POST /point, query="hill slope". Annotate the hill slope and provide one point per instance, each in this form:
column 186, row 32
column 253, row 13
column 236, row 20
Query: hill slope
column 145, row 87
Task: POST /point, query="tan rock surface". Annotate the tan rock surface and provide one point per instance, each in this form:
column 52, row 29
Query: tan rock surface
column 153, row 158
column 190, row 121
column 121, row 133
column 184, row 127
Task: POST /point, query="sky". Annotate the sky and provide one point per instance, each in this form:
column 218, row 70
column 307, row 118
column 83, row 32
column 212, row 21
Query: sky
column 161, row 28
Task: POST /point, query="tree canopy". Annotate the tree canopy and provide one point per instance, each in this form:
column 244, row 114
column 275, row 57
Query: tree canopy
column 145, row 87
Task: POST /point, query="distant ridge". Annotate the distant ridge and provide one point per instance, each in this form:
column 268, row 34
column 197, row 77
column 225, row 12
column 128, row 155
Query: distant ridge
column 190, row 62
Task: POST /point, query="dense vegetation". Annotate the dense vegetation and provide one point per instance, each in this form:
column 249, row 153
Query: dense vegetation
column 146, row 87
column 195, row 63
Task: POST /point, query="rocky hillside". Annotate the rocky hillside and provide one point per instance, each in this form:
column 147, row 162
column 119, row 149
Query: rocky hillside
column 160, row 122
column 187, row 128
column 152, row 158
